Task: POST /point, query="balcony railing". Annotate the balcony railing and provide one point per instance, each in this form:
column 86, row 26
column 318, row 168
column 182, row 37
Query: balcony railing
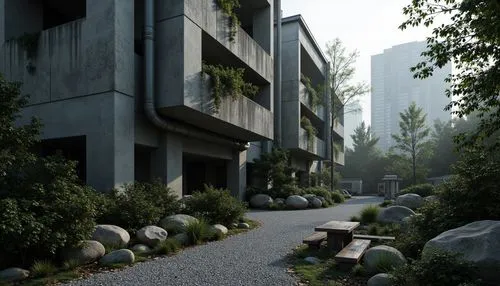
column 318, row 111
column 314, row 146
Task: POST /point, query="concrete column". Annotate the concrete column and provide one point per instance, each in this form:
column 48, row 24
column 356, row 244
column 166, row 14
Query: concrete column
column 167, row 162
column 110, row 144
column 237, row 174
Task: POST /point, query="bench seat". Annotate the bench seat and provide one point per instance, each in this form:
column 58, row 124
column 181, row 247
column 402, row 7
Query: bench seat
column 315, row 239
column 352, row 253
column 374, row 237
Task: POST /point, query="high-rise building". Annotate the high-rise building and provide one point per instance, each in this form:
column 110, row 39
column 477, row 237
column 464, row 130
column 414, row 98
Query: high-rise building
column 394, row 88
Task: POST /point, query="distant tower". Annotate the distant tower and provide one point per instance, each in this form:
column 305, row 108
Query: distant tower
column 394, row 88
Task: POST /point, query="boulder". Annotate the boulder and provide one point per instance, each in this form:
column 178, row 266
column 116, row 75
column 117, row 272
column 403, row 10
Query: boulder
column 121, row 256
column 322, row 199
column 243, row 225
column 140, row 248
column 261, row 201
column 310, row 198
column 312, row 260
column 316, row 203
column 430, row 199
column 177, row 223
column 394, row 214
column 182, row 238
column 111, row 235
column 382, row 256
column 477, row 242
column 86, row 252
column 411, row 201
column 279, row 201
column 218, row 229
column 13, row 274
column 381, row 279
column 151, row 235
column 297, row 202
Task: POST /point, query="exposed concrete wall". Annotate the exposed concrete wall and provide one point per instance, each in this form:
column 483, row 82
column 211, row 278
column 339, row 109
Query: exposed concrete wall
column 237, row 174
column 167, row 162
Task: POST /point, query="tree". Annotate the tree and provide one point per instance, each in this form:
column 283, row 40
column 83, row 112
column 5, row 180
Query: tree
column 471, row 41
column 413, row 141
column 343, row 91
column 363, row 139
column 444, row 154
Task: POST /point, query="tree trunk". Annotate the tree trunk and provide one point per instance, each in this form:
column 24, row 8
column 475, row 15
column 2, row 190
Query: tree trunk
column 332, row 158
column 414, row 165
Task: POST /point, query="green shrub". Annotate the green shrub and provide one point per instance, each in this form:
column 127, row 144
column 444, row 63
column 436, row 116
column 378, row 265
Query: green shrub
column 42, row 269
column 386, row 203
column 355, row 218
column 373, row 229
column 322, row 192
column 337, row 197
column 215, row 206
column 369, row 214
column 166, row 247
column 358, row 270
column 44, row 208
column 139, row 204
column 422, row 190
column 198, row 232
column 70, row 264
column 436, row 268
column 273, row 169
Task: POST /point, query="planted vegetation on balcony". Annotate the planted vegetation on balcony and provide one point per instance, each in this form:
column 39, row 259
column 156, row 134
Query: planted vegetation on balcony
column 311, row 132
column 314, row 93
column 229, row 8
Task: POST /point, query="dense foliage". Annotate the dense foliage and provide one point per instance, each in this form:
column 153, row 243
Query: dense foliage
column 215, row 206
column 322, row 192
column 228, row 82
column 311, row 132
column 422, row 190
column 43, row 206
column 273, row 170
column 229, row 8
column 436, row 268
column 315, row 94
column 470, row 41
column 138, row 205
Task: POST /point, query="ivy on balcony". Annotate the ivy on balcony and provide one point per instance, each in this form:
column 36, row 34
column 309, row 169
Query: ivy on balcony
column 315, row 98
column 229, row 8
column 311, row 132
column 228, row 82
column 29, row 43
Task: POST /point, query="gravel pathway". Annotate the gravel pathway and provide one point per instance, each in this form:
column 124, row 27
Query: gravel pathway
column 254, row 258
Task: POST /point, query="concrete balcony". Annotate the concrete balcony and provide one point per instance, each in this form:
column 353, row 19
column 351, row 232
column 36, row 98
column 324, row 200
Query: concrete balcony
column 318, row 111
column 315, row 148
column 239, row 118
column 340, row 158
column 338, row 129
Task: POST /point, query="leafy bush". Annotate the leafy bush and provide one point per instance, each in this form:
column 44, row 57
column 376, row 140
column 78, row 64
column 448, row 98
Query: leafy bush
column 386, row 203
column 215, row 206
column 322, row 192
column 42, row 269
column 198, row 232
column 355, row 218
column 436, row 268
column 373, row 229
column 44, row 209
column 166, row 247
column 337, row 197
column 139, row 204
column 422, row 190
column 369, row 214
column 358, row 270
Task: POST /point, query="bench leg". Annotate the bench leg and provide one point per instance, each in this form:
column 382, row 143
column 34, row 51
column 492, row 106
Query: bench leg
column 335, row 242
column 348, row 238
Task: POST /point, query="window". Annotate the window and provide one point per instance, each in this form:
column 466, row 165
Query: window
column 59, row 12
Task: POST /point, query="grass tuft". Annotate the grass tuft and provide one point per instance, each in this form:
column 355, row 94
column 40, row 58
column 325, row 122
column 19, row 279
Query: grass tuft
column 369, row 214
column 43, row 268
column 168, row 246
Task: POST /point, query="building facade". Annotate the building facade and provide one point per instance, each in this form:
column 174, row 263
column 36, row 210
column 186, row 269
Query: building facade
column 119, row 87
column 394, row 88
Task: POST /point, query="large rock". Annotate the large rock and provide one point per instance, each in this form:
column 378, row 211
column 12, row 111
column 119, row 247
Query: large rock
column 177, row 223
column 394, row 214
column 111, row 235
column 279, row 201
column 316, row 203
column 141, row 248
column 86, row 252
column 412, row 201
column 182, row 238
column 381, row 279
column 430, row 199
column 121, row 256
column 382, row 256
column 151, row 235
column 297, row 202
column 219, row 230
column 477, row 242
column 261, row 201
column 13, row 274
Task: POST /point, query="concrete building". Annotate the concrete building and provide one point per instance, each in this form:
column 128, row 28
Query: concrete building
column 303, row 60
column 118, row 86
column 394, row 88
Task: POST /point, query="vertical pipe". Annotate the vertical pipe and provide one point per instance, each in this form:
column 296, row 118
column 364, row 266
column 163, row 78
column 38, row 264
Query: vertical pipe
column 277, row 76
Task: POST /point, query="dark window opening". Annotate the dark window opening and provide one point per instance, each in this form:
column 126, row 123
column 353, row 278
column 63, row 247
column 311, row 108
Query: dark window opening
column 72, row 148
column 138, row 27
column 142, row 163
column 199, row 171
column 59, row 12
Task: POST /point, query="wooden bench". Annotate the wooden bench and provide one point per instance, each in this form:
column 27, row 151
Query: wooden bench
column 315, row 239
column 352, row 253
column 374, row 237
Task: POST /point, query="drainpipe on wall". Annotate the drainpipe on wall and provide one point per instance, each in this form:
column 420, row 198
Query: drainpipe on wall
column 149, row 92
column 277, row 78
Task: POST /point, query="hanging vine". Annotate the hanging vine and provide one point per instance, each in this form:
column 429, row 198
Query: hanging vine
column 228, row 82
column 311, row 132
column 29, row 43
column 229, row 8
column 314, row 93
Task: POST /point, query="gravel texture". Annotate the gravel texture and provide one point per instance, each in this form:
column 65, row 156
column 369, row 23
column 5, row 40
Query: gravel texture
column 255, row 258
